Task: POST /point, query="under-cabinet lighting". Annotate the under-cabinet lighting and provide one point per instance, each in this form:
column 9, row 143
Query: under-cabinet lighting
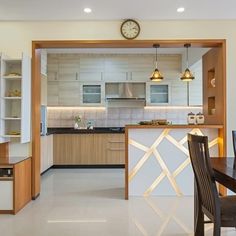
column 172, row 107
column 76, row 108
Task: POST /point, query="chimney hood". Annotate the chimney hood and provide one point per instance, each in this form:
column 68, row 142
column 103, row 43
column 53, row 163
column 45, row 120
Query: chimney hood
column 125, row 94
column 125, row 91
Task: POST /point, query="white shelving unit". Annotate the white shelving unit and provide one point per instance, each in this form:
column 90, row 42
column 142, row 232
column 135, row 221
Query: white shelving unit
column 15, row 99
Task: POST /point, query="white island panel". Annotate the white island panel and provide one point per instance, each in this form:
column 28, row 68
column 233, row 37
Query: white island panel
column 158, row 160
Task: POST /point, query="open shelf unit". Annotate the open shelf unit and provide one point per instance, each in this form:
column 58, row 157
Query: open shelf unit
column 213, row 89
column 15, row 86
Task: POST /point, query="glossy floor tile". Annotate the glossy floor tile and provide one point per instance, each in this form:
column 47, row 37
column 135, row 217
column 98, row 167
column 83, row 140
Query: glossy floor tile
column 89, row 202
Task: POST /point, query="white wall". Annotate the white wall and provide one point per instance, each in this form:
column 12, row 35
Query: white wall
column 17, row 36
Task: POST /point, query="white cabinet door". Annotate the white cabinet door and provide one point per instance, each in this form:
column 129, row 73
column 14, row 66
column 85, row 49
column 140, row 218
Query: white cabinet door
column 92, row 94
column 53, row 93
column 140, row 76
column 6, row 195
column 46, row 152
column 90, row 76
column 157, row 93
column 68, row 93
column 116, row 77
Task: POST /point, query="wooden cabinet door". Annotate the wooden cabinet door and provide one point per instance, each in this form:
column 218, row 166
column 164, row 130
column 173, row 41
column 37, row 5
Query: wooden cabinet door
column 100, row 148
column 86, row 150
column 66, row 149
column 115, row 149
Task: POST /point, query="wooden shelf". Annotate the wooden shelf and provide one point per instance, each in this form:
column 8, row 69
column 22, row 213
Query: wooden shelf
column 9, row 77
column 6, row 178
column 11, row 136
column 12, row 98
column 11, row 118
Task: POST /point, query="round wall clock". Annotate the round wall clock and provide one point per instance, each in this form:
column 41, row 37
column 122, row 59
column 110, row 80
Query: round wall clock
column 130, row 29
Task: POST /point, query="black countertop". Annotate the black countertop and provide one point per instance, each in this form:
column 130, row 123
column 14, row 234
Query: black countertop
column 95, row 130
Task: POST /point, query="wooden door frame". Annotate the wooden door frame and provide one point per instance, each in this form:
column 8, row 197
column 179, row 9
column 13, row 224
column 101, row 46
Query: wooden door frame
column 36, row 81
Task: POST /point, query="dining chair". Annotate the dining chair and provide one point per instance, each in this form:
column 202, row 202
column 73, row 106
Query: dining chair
column 234, row 146
column 220, row 210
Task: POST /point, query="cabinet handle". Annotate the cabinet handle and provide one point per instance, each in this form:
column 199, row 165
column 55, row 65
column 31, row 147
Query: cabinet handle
column 116, row 149
column 116, row 141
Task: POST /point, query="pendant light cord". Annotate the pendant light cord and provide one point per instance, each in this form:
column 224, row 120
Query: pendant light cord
column 187, row 57
column 156, row 57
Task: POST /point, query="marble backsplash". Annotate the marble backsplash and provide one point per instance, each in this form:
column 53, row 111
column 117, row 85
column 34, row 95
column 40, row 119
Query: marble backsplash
column 116, row 117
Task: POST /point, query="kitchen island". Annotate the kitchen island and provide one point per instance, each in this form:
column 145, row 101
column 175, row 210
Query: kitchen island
column 157, row 159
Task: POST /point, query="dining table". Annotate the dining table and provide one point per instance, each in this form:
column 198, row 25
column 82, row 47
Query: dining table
column 224, row 169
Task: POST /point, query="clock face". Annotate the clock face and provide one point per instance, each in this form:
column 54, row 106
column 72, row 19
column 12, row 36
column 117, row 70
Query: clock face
column 130, row 29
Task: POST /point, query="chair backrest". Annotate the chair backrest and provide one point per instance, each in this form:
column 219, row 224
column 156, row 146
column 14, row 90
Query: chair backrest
column 234, row 141
column 206, row 186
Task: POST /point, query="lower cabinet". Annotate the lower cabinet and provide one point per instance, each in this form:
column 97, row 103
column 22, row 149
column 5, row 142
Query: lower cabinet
column 88, row 149
column 15, row 186
column 46, row 152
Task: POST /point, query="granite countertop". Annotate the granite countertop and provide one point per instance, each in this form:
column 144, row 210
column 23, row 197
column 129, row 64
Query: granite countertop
column 96, row 130
column 12, row 160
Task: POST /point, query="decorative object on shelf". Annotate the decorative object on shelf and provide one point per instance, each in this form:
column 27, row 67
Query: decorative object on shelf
column 199, row 118
column 213, row 82
column 187, row 75
column 130, row 29
column 14, row 93
column 156, row 75
column 191, row 118
column 13, row 132
column 155, row 122
column 13, row 74
column 78, row 120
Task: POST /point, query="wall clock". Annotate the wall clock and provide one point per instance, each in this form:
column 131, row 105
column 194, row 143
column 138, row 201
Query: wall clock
column 130, row 29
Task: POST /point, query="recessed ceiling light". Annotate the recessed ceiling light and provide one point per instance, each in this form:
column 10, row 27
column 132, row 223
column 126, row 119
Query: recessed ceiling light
column 87, row 10
column 180, row 9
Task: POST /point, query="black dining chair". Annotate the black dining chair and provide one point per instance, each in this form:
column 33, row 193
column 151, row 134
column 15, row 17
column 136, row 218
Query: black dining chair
column 234, row 146
column 220, row 210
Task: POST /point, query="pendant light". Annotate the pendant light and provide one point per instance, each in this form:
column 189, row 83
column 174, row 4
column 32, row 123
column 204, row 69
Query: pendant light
column 156, row 75
column 187, row 75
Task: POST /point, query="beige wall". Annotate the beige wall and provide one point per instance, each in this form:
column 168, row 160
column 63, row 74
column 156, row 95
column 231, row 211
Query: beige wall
column 17, row 36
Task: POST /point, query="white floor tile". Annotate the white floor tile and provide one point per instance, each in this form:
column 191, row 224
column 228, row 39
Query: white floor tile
column 88, row 202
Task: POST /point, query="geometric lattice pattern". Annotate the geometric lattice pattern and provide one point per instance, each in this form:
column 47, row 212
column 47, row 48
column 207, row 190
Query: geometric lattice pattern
column 165, row 173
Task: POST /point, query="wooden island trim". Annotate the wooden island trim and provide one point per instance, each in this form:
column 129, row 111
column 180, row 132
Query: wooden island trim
column 173, row 126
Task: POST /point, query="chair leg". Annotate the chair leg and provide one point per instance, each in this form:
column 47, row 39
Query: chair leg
column 216, row 230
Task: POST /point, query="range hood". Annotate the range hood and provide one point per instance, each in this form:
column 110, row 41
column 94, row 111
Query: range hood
column 125, row 94
column 125, row 91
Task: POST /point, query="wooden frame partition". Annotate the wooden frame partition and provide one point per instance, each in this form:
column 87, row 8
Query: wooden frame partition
column 36, row 84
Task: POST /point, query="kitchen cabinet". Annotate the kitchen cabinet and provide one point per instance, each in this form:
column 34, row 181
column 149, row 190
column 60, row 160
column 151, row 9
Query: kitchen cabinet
column 46, row 143
column 52, row 93
column 92, row 94
column 15, row 185
column 88, row 149
column 15, row 97
column 157, row 93
column 44, row 62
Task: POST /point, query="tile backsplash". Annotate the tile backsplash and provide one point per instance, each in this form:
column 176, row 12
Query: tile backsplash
column 116, row 117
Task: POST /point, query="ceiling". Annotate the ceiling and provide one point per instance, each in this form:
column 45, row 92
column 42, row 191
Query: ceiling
column 116, row 10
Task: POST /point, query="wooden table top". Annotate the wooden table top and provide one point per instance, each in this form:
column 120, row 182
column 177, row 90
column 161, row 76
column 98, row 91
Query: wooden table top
column 224, row 172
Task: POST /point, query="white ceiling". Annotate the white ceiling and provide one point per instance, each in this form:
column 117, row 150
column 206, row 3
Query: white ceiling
column 116, row 9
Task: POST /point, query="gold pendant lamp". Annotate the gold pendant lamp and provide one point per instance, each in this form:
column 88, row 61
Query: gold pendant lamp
column 156, row 75
column 187, row 75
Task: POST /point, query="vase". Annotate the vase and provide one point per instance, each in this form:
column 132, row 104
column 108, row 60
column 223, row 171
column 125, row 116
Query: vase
column 76, row 126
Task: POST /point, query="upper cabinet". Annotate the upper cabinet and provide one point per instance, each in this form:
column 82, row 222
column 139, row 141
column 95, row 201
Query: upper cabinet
column 15, row 80
column 158, row 93
column 44, row 62
column 92, row 94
